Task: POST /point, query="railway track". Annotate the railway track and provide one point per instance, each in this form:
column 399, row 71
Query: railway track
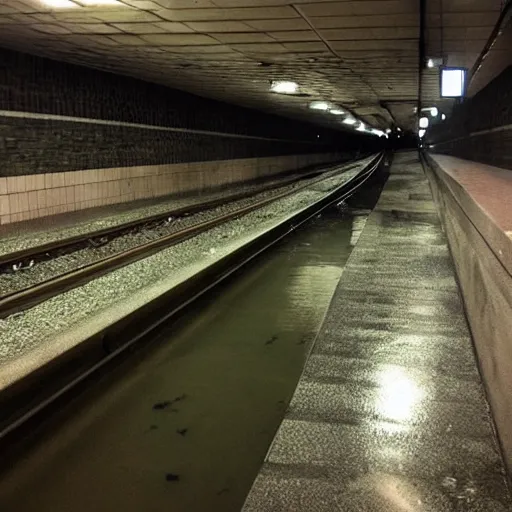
column 177, row 225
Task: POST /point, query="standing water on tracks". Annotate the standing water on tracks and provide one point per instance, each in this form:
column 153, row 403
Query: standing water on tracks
column 187, row 425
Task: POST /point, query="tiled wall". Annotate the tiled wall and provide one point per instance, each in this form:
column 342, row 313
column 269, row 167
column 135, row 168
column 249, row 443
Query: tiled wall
column 40, row 195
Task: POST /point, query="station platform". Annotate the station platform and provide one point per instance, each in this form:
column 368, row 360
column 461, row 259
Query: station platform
column 390, row 412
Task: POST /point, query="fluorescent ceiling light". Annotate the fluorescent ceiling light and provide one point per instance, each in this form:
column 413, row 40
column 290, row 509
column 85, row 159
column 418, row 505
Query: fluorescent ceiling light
column 423, row 122
column 349, row 120
column 284, row 87
column 319, row 105
column 452, row 82
column 60, row 4
column 337, row 111
column 421, row 133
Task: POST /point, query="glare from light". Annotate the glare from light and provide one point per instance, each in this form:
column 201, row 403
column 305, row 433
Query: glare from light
column 361, row 127
column 421, row 133
column 434, row 111
column 388, row 130
column 452, row 82
column 430, row 63
column 399, row 395
column 377, row 132
column 319, row 105
column 284, row 87
column 337, row 111
column 60, row 4
column 443, row 117
column 349, row 120
column 423, row 122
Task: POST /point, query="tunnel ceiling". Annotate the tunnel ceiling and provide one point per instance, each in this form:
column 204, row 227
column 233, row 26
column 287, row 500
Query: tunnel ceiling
column 362, row 55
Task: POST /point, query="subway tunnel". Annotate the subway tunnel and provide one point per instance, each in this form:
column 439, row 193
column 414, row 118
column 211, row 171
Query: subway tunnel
column 255, row 255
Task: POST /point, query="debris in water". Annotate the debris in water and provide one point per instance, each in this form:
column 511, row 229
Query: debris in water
column 171, row 477
column 271, row 340
column 162, row 405
column 303, row 340
column 182, row 431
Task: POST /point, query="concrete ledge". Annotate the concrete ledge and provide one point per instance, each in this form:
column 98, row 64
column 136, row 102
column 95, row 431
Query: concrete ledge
column 476, row 210
column 484, row 193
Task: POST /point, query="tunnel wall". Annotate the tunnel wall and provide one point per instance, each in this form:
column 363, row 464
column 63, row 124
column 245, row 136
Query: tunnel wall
column 480, row 128
column 73, row 138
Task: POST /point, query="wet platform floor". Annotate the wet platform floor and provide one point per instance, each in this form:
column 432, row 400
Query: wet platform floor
column 390, row 413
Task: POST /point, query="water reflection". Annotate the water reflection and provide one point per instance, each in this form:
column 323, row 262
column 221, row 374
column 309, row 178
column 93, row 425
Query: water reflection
column 399, row 395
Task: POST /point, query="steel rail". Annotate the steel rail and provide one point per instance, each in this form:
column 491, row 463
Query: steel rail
column 26, row 298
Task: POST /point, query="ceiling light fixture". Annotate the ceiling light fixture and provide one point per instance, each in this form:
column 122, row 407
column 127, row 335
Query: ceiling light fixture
column 388, row 130
column 421, row 133
column 434, row 111
column 60, row 4
column 423, row 122
column 349, row 120
column 443, row 117
column 284, row 87
column 319, row 105
column 337, row 111
column 430, row 63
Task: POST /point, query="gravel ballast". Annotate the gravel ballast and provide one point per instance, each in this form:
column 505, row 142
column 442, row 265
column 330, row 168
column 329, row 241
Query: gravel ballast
column 39, row 326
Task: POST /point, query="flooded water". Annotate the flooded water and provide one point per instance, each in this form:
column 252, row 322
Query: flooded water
column 187, row 426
